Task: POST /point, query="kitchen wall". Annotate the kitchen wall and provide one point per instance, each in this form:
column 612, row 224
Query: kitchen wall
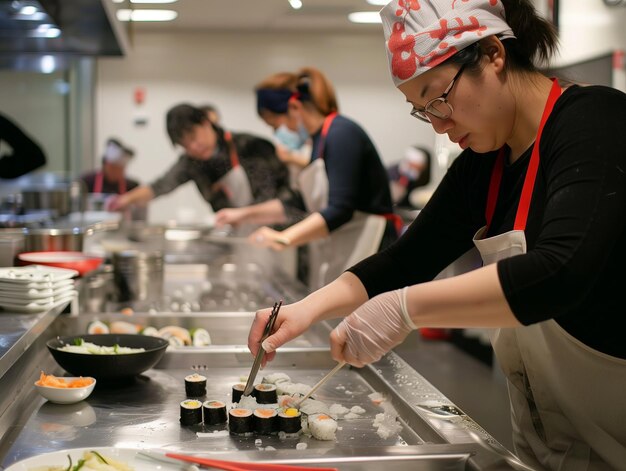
column 223, row 69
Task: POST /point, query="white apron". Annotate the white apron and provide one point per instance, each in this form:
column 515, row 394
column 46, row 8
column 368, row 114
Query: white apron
column 235, row 183
column 352, row 242
column 568, row 401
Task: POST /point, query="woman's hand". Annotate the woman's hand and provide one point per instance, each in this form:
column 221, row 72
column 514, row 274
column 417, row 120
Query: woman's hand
column 116, row 203
column 267, row 237
column 229, row 216
column 292, row 321
column 372, row 330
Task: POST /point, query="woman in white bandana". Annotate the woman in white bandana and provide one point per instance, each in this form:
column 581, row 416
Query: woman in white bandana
column 530, row 219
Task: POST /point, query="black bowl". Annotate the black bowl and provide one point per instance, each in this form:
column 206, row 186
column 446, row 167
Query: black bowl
column 109, row 367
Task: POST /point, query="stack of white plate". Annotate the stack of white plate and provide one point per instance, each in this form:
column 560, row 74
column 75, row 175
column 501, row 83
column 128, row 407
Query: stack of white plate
column 35, row 288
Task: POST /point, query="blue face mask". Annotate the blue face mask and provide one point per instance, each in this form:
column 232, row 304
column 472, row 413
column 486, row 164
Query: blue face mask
column 292, row 140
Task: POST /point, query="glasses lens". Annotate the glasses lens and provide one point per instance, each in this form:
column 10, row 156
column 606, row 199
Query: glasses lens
column 439, row 108
column 420, row 114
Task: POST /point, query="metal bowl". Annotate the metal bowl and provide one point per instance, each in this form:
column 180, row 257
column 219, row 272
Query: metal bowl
column 109, row 367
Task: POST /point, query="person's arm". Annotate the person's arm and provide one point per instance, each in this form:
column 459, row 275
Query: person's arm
column 336, row 299
column 269, row 212
column 139, row 196
column 313, row 227
column 26, row 155
column 474, row 299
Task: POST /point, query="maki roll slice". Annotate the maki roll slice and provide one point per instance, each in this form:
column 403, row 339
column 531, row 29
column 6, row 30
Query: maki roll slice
column 265, row 393
column 265, row 421
column 322, row 426
column 214, row 412
column 190, row 412
column 290, row 421
column 240, row 421
column 238, row 391
column 195, row 385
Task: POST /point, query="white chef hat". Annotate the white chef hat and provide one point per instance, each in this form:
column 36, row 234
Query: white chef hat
column 421, row 34
column 116, row 152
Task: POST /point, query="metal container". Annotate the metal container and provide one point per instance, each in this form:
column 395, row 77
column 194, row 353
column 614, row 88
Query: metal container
column 62, row 198
column 138, row 276
column 98, row 290
column 11, row 243
column 54, row 240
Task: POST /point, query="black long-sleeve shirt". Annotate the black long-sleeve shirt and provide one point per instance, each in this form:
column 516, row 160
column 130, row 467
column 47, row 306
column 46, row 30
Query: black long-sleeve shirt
column 357, row 179
column 268, row 176
column 26, row 155
column 573, row 271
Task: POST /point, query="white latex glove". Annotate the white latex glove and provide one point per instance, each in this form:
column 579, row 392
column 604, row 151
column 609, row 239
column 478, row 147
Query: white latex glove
column 372, row 330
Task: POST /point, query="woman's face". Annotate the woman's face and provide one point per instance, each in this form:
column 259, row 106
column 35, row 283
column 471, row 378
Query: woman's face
column 483, row 111
column 200, row 142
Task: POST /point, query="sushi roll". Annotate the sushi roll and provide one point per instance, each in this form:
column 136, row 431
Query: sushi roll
column 214, row 412
column 190, row 412
column 322, row 426
column 265, row 421
column 150, row 331
column 97, row 327
column 238, row 391
column 289, row 421
column 265, row 393
column 195, row 385
column 200, row 337
column 123, row 327
column 240, row 421
column 177, row 336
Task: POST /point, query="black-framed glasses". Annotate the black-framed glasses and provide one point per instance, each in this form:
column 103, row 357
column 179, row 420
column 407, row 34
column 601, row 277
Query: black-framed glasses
column 437, row 107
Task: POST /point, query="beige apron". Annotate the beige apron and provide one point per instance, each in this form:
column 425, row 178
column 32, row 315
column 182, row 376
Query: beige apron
column 568, row 401
column 235, row 183
column 358, row 238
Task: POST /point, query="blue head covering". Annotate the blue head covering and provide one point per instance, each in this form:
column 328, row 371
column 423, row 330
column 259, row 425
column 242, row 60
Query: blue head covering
column 274, row 100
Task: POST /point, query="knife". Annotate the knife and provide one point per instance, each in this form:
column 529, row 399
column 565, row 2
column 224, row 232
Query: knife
column 259, row 355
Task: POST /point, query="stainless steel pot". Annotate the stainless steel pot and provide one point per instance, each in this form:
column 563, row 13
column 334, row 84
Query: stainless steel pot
column 138, row 275
column 59, row 196
column 53, row 240
column 11, row 244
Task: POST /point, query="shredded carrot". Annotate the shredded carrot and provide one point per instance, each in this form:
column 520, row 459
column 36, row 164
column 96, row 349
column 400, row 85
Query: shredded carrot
column 52, row 381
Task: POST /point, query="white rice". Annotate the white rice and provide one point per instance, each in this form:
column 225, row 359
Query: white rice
column 312, row 406
column 322, row 429
column 301, row 446
column 292, row 388
column 247, row 402
column 357, row 410
column 385, row 423
column 337, row 410
column 275, row 378
column 351, row 415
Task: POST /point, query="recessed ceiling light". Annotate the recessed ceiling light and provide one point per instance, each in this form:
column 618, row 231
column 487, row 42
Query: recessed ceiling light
column 378, row 2
column 295, row 4
column 146, row 15
column 364, row 17
column 28, row 10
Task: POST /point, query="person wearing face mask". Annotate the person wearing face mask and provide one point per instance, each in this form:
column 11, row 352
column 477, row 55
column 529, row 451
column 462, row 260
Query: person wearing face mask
column 344, row 189
column 293, row 144
column 229, row 169
column 529, row 219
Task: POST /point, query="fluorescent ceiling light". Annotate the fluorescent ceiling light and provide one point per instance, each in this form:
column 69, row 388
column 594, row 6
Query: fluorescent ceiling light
column 295, row 4
column 364, row 17
column 47, row 64
column 378, row 2
column 45, row 31
column 153, row 1
column 28, row 10
column 146, row 15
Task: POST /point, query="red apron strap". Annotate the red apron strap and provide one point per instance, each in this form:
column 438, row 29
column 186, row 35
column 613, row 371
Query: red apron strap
column 234, row 158
column 325, row 127
column 98, row 183
column 531, row 173
column 398, row 223
column 121, row 186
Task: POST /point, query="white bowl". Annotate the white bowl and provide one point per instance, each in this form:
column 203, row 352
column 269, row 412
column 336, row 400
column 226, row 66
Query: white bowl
column 66, row 395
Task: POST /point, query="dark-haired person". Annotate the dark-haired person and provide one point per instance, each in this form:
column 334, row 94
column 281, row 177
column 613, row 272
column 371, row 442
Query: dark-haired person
column 111, row 178
column 344, row 189
column 540, row 192
column 25, row 155
column 229, row 169
column 212, row 113
column 413, row 171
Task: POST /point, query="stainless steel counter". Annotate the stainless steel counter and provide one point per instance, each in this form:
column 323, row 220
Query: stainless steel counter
column 434, row 434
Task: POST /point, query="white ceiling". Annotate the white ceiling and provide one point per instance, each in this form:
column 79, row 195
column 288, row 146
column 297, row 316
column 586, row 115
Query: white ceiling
column 259, row 16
